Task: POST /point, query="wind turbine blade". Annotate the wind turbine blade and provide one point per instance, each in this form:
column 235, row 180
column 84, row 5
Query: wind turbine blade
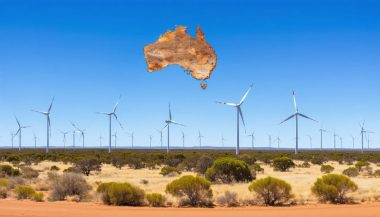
column 302, row 115
column 49, row 125
column 173, row 122
column 116, row 105
column 242, row 118
column 118, row 121
column 165, row 126
column 51, row 104
column 19, row 129
column 227, row 103
column 245, row 95
column 289, row 118
column 37, row 111
column 295, row 102
column 101, row 113
column 170, row 113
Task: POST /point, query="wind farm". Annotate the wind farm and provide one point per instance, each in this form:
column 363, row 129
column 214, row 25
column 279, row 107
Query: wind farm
column 101, row 113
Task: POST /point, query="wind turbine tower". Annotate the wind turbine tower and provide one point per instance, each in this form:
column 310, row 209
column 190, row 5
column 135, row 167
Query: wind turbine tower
column 168, row 123
column 48, row 128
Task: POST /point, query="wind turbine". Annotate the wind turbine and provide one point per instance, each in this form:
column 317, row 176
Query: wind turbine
column 64, row 137
column 132, row 136
column 12, row 137
column 35, row 140
column 183, row 139
column 311, row 141
column 353, row 141
column 19, row 131
column 322, row 131
column 81, row 132
column 200, row 138
column 168, row 122
column 150, row 141
column 100, row 141
column 239, row 114
column 115, row 139
column 160, row 132
column 367, row 137
column 296, row 115
column 335, row 135
column 48, row 128
column 252, row 135
column 223, row 139
column 270, row 141
column 110, row 114
column 74, row 131
column 278, row 142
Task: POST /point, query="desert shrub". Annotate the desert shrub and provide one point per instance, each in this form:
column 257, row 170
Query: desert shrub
column 318, row 160
column 360, row 165
column 24, row 192
column 14, row 159
column 144, row 181
column 228, row 199
column 169, row 171
column 203, row 163
column 9, row 170
column 227, row 170
column 271, row 190
column 333, row 188
column 305, row 164
column 29, row 173
column 192, row 190
column 283, row 164
column 16, row 181
column 135, row 163
column 121, row 194
column 257, row 168
column 249, row 159
column 5, row 183
column 72, row 170
column 376, row 173
column 87, row 165
column 327, row 168
column 69, row 184
column 54, row 168
column 174, row 160
column 118, row 162
column 38, row 197
column 3, row 192
column 156, row 200
column 351, row 172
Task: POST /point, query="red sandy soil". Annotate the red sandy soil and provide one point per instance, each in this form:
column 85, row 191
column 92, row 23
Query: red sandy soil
column 13, row 208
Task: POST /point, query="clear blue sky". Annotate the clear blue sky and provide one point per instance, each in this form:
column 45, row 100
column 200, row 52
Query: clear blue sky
column 87, row 53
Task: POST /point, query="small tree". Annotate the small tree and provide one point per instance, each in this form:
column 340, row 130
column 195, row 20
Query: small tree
column 327, row 169
column 192, row 190
column 361, row 164
column 203, row 163
column 283, row 164
column 169, row 171
column 271, row 190
column 69, row 184
column 87, row 165
column 351, row 172
column 227, row 170
column 333, row 188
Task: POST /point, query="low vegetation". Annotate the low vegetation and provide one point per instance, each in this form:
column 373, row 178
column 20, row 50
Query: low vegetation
column 351, row 172
column 69, row 184
column 229, row 199
column 156, row 200
column 228, row 170
column 87, row 165
column 271, row 191
column 121, row 194
column 327, row 168
column 333, row 188
column 360, row 165
column 170, row 171
column 203, row 163
column 191, row 190
column 283, row 164
column 27, row 192
column 7, row 170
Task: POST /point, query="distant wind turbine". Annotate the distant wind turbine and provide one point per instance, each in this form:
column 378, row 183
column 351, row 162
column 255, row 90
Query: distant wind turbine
column 74, row 132
column 132, row 137
column 341, row 142
column 100, row 141
column 335, row 135
column 223, row 140
column 48, row 126
column 252, row 135
column 367, row 137
column 150, row 141
column 12, row 137
column 183, row 139
column 200, row 138
column 115, row 138
column 311, row 141
column 160, row 132
column 35, row 140
column 110, row 115
column 239, row 114
column 353, row 141
column 64, row 133
column 322, row 131
column 19, row 132
column 278, row 142
column 270, row 141
column 168, row 123
column 81, row 131
column 296, row 114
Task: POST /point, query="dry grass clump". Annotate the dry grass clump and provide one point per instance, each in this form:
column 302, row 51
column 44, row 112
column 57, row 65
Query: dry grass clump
column 229, row 199
column 69, row 184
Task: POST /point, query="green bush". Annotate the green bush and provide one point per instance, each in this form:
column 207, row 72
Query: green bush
column 249, row 159
column 203, row 163
column 5, row 183
column 376, row 173
column 69, row 184
column 54, row 168
column 156, row 200
column 271, row 190
column 168, row 170
column 72, row 170
column 327, row 168
column 9, row 170
column 333, row 188
column 135, row 163
column 361, row 164
column 257, row 168
column 351, row 172
column 38, row 197
column 3, row 192
column 192, row 190
column 227, row 170
column 24, row 192
column 87, row 165
column 318, row 160
column 283, row 164
column 305, row 164
column 121, row 194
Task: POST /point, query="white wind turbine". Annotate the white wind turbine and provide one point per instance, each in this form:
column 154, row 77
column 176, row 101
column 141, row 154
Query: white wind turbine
column 278, row 142
column 100, row 141
column 183, row 139
column 200, row 136
column 223, row 140
column 160, row 132
column 150, row 141
column 110, row 115
column 270, row 141
column 64, row 133
column 35, row 140
column 132, row 137
column 19, row 132
column 252, row 135
column 168, row 123
column 12, row 137
column 335, row 135
column 296, row 115
column 81, row 133
column 322, row 131
column 239, row 114
column 311, row 141
column 353, row 141
column 48, row 126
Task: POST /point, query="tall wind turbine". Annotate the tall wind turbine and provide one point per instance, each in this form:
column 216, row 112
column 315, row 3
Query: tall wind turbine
column 278, row 142
column 12, row 137
column 270, row 141
column 223, row 140
column 19, row 131
column 183, row 139
column 200, row 136
column 168, row 123
column 296, row 115
column 74, row 132
column 311, row 141
column 322, row 131
column 48, row 129
column 110, row 115
column 160, row 132
column 150, row 141
column 252, row 135
column 132, row 137
column 35, row 140
column 81, row 133
column 239, row 114
column 335, row 135
column 367, row 137
column 64, row 133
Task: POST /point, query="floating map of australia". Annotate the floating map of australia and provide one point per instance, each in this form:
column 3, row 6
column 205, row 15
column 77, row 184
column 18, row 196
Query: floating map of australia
column 194, row 55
